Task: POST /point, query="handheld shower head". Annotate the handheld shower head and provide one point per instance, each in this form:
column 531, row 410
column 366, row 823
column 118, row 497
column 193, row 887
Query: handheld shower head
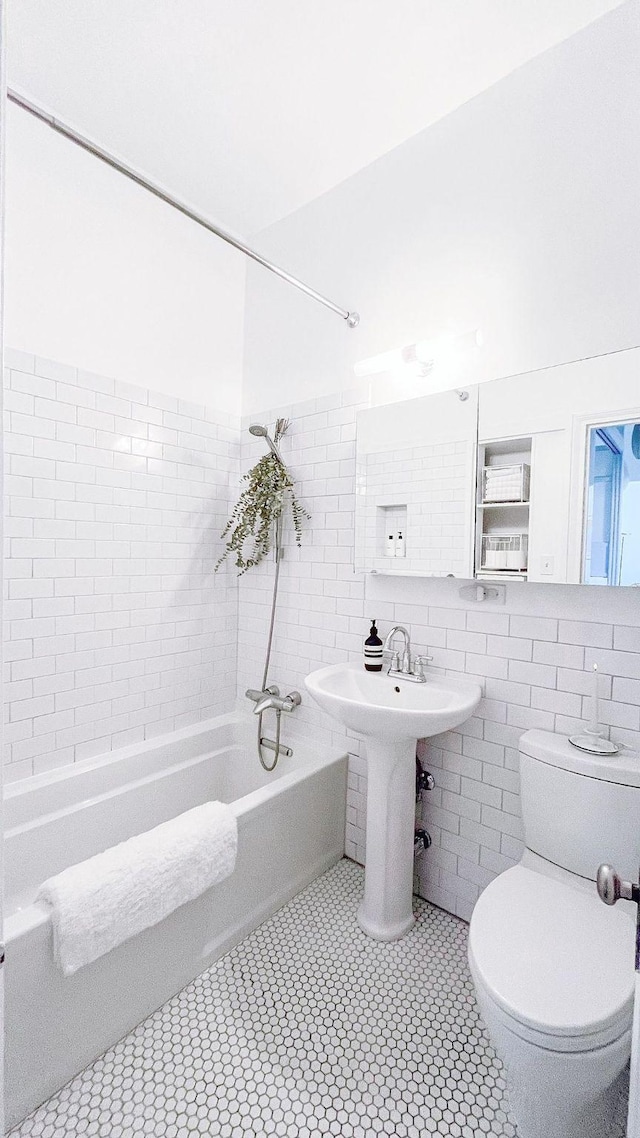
column 262, row 433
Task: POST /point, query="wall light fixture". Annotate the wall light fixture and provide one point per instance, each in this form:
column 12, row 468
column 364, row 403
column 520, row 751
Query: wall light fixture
column 420, row 358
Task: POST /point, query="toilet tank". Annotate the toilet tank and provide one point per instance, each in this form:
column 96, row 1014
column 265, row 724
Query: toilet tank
column 580, row 810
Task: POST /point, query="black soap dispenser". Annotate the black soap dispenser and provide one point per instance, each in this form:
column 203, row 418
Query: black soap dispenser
column 373, row 650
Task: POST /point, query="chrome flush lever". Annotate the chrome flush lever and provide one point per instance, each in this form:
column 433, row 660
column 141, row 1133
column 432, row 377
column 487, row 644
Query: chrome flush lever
column 611, row 888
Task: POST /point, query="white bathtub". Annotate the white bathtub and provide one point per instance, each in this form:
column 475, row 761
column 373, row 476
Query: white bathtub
column 290, row 829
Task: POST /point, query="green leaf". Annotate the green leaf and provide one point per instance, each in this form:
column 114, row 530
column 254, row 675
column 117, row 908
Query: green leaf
column 251, row 528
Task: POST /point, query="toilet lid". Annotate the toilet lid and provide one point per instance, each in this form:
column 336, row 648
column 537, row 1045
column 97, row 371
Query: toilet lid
column 553, row 957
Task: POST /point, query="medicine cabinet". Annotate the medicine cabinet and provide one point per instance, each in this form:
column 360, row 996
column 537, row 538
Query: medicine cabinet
column 415, row 485
column 534, row 477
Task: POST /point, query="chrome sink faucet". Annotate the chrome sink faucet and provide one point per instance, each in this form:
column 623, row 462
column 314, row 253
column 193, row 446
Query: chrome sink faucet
column 405, row 668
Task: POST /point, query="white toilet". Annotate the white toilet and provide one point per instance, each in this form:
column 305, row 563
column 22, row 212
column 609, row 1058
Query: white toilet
column 553, row 967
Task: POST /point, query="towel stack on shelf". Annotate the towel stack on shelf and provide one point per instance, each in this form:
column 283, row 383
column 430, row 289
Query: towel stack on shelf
column 506, row 483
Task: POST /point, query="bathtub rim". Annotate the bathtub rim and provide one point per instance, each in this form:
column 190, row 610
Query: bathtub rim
column 69, row 771
column 23, row 920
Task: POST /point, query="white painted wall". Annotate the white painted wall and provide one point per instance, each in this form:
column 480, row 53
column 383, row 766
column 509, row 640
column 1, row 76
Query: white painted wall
column 104, row 277
column 518, row 213
column 250, row 109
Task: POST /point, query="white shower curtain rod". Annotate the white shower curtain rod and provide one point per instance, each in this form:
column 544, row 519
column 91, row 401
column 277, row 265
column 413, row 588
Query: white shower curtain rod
column 352, row 318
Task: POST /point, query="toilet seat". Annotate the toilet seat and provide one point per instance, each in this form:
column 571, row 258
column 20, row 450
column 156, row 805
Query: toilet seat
column 556, row 963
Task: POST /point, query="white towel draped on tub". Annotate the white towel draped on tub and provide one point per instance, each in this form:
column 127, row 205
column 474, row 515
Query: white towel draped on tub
column 111, row 897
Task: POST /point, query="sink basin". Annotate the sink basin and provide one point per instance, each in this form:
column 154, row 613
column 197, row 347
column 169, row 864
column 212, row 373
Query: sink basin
column 375, row 703
column 391, row 714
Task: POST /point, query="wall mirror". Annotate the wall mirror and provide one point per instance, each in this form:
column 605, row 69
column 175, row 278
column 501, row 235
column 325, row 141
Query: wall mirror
column 415, row 484
column 611, row 550
column 534, row 477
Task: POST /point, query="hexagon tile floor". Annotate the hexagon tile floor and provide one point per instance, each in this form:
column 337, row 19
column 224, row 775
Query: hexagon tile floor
column 306, row 1028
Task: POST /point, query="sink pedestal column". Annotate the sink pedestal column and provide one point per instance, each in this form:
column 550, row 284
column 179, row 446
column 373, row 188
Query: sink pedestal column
column 386, row 911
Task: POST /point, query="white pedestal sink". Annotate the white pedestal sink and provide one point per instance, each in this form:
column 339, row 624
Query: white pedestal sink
column 392, row 714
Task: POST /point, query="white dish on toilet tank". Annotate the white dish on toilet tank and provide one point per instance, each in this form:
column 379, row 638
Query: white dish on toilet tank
column 552, row 966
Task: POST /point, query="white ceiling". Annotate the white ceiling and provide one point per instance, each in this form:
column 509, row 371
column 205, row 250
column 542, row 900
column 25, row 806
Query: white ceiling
column 250, row 108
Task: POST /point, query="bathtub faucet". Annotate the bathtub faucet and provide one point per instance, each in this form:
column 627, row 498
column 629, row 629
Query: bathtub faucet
column 271, row 698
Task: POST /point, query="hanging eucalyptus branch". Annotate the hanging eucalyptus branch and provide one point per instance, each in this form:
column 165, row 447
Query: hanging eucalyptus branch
column 257, row 512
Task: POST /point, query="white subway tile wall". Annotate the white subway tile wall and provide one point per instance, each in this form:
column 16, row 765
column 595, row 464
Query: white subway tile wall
column 531, row 655
column 116, row 628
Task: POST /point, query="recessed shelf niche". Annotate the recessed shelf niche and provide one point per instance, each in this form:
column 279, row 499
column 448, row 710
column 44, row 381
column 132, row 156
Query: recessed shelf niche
column 391, row 531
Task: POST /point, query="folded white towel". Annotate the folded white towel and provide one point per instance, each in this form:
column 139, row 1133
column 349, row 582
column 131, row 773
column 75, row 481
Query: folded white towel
column 111, row 897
